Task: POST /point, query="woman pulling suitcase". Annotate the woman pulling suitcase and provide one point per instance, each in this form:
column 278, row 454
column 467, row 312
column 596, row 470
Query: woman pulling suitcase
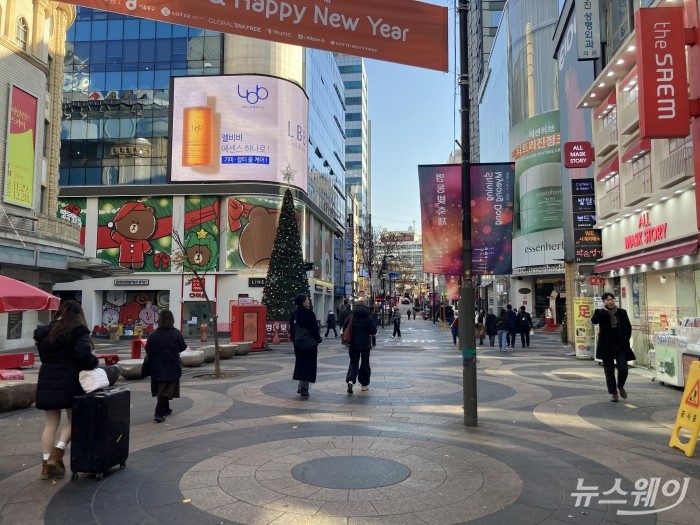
column 65, row 348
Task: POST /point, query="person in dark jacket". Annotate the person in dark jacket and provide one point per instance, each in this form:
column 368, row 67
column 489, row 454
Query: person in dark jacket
column 330, row 324
column 524, row 326
column 502, row 330
column 396, row 319
column 364, row 328
column 65, row 348
column 490, row 324
column 305, row 359
column 454, row 328
column 613, row 348
column 512, row 326
column 165, row 367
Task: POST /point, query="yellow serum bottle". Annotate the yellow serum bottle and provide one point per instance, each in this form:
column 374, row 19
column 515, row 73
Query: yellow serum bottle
column 197, row 131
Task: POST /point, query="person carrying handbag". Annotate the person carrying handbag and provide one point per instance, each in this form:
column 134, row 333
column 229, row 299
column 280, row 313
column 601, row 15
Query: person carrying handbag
column 306, row 335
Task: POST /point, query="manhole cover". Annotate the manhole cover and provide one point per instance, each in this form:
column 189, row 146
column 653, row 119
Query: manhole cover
column 350, row 472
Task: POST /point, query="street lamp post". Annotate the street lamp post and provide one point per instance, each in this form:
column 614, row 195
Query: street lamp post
column 467, row 337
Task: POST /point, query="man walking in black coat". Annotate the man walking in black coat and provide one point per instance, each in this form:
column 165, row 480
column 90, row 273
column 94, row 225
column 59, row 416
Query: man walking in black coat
column 524, row 326
column 615, row 331
column 344, row 312
column 512, row 326
column 363, row 328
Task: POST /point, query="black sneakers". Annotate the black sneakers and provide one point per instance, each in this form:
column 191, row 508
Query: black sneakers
column 349, row 387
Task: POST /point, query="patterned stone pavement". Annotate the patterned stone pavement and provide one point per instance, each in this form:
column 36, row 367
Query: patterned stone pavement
column 549, row 447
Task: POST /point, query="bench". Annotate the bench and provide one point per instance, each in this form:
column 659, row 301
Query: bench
column 109, row 359
column 17, row 360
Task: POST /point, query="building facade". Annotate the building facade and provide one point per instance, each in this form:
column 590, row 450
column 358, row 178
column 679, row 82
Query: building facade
column 526, row 131
column 645, row 187
column 35, row 245
column 134, row 91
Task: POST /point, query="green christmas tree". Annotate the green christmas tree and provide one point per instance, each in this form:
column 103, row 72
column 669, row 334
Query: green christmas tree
column 286, row 276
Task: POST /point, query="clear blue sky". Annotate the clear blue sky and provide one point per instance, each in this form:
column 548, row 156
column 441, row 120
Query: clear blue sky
column 413, row 122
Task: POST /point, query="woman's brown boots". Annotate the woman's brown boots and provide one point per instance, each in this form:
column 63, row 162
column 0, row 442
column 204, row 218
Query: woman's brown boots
column 45, row 470
column 54, row 465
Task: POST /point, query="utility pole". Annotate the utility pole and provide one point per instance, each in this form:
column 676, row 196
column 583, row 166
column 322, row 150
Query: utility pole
column 467, row 337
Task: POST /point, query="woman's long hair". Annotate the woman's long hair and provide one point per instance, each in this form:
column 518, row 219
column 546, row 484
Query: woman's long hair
column 166, row 320
column 67, row 318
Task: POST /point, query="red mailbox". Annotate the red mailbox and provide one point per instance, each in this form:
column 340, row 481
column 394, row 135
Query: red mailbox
column 248, row 324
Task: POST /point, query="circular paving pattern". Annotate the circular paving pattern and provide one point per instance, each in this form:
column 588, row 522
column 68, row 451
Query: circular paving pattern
column 350, row 472
column 290, row 480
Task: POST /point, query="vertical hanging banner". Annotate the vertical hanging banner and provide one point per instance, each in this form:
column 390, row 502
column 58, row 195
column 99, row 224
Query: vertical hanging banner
column 664, row 110
column 492, row 191
column 441, row 218
column 21, row 149
column 402, row 31
column 588, row 29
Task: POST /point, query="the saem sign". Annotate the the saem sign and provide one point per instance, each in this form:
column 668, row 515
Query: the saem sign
column 663, row 83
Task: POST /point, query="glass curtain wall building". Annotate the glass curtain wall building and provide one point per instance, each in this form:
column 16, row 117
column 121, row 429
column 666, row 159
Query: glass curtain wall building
column 523, row 72
column 118, row 125
column 357, row 149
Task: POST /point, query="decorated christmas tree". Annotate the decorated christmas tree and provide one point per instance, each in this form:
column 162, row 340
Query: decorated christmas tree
column 286, row 275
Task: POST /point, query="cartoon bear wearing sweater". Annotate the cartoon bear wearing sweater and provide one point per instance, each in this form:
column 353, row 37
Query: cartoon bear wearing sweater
column 131, row 228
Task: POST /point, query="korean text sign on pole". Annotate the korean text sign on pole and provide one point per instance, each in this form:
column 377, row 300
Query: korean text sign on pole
column 663, row 80
column 402, row 31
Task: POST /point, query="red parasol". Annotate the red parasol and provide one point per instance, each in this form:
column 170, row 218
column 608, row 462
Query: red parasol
column 16, row 296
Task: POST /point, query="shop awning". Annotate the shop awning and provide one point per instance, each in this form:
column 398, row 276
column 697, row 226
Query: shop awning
column 608, row 169
column 637, row 146
column 677, row 250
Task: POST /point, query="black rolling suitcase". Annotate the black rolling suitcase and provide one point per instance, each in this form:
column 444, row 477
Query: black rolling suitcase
column 100, row 431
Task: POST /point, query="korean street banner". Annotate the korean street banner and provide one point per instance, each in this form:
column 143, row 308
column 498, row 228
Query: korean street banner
column 492, row 192
column 440, row 189
column 584, row 337
column 21, row 148
column 402, row 31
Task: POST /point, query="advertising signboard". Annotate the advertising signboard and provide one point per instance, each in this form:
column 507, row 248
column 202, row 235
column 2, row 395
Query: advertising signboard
column 238, row 127
column 661, row 69
column 21, row 152
column 406, row 32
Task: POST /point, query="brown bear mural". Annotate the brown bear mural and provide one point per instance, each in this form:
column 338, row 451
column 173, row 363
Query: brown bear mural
column 131, row 228
column 258, row 237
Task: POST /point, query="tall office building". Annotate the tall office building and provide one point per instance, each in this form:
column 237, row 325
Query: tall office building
column 35, row 246
column 135, row 93
column 357, row 147
column 483, row 19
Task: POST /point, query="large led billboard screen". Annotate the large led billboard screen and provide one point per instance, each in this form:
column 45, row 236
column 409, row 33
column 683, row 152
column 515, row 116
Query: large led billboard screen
column 238, row 128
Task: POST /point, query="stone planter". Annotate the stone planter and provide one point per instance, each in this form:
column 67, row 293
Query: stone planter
column 192, row 358
column 227, row 351
column 209, row 353
column 130, row 369
column 16, row 394
column 244, row 348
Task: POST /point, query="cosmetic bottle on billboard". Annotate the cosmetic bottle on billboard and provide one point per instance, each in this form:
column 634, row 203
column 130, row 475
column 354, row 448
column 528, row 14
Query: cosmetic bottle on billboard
column 197, row 131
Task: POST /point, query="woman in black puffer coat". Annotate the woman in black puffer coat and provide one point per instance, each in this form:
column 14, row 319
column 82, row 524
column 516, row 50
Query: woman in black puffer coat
column 65, row 348
column 165, row 366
